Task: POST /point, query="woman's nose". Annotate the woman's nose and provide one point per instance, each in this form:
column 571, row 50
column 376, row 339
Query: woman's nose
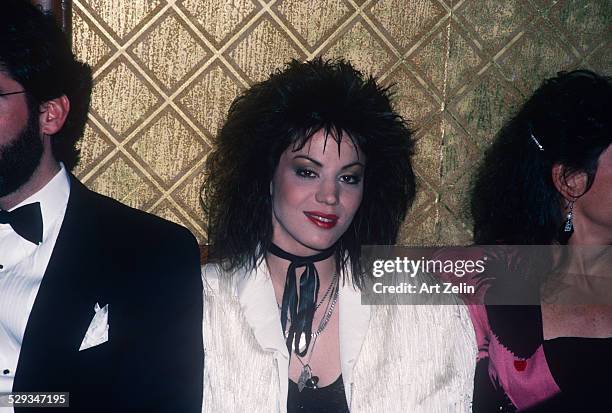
column 327, row 192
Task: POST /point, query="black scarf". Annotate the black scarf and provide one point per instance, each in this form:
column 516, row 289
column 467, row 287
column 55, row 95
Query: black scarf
column 300, row 311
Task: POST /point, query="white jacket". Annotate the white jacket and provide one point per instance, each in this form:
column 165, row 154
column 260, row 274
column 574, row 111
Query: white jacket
column 394, row 358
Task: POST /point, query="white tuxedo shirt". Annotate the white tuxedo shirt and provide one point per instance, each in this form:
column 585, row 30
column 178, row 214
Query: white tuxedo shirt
column 23, row 267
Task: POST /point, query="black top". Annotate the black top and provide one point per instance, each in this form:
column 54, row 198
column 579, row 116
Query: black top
column 328, row 399
column 581, row 368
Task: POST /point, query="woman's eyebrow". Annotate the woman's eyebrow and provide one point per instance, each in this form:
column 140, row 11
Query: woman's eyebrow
column 356, row 163
column 308, row 158
column 319, row 164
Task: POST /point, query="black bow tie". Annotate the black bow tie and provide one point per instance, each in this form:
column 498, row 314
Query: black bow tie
column 26, row 221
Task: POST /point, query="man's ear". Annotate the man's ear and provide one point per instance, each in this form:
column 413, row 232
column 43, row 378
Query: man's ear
column 53, row 114
column 571, row 185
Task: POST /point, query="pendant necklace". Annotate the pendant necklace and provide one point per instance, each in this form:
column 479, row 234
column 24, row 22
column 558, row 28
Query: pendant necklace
column 299, row 298
column 329, row 310
column 307, row 379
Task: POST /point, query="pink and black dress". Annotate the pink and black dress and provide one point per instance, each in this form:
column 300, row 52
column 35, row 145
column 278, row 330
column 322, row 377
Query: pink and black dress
column 518, row 371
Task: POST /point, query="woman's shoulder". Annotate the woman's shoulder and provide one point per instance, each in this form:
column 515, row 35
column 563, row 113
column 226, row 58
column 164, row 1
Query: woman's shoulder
column 216, row 279
column 211, row 271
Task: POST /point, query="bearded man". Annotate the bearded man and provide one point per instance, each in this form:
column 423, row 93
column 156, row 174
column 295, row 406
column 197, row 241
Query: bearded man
column 96, row 299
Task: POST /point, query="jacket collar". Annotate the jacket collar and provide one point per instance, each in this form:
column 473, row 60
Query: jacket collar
column 255, row 293
column 258, row 302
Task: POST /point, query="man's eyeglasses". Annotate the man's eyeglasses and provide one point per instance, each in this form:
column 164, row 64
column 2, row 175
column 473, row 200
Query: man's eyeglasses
column 12, row 93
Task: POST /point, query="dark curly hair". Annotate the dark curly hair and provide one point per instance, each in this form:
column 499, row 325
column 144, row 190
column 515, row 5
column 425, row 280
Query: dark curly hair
column 286, row 110
column 36, row 53
column 514, row 200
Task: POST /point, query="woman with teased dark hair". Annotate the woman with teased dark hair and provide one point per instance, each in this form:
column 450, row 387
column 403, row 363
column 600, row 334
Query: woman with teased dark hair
column 286, row 111
column 558, row 136
column 310, row 165
column 547, row 179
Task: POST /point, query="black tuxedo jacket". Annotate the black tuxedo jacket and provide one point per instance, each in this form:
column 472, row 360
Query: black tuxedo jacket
column 147, row 270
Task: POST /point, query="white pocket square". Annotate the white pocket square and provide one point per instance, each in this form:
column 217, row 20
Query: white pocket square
column 97, row 333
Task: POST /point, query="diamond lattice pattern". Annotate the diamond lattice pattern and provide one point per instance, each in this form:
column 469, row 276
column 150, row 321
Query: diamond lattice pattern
column 166, row 71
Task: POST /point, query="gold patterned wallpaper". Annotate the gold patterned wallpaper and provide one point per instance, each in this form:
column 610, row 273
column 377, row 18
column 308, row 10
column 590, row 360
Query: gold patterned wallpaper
column 165, row 72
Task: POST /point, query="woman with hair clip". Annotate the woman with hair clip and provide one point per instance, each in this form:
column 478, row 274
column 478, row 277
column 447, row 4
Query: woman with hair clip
column 547, row 180
column 310, row 165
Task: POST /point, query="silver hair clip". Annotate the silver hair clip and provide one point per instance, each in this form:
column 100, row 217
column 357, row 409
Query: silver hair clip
column 533, row 138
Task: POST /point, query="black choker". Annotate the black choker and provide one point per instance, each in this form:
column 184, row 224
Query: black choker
column 300, row 311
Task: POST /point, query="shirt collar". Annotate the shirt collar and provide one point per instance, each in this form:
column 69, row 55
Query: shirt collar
column 53, row 198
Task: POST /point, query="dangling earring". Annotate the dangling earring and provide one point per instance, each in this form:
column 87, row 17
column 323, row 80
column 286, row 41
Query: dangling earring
column 569, row 218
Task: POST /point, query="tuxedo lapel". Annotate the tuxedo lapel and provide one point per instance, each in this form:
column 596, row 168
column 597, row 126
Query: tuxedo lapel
column 64, row 304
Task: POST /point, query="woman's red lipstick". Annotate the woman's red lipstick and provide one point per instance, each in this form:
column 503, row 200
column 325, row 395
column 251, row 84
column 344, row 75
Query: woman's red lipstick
column 325, row 221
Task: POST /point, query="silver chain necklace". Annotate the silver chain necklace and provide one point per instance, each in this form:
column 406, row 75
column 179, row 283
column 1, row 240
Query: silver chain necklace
column 307, row 379
column 331, row 304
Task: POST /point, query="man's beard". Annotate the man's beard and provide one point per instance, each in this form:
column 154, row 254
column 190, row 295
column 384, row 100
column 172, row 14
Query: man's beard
column 20, row 158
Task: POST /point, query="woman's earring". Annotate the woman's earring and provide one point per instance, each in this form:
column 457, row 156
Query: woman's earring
column 569, row 218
